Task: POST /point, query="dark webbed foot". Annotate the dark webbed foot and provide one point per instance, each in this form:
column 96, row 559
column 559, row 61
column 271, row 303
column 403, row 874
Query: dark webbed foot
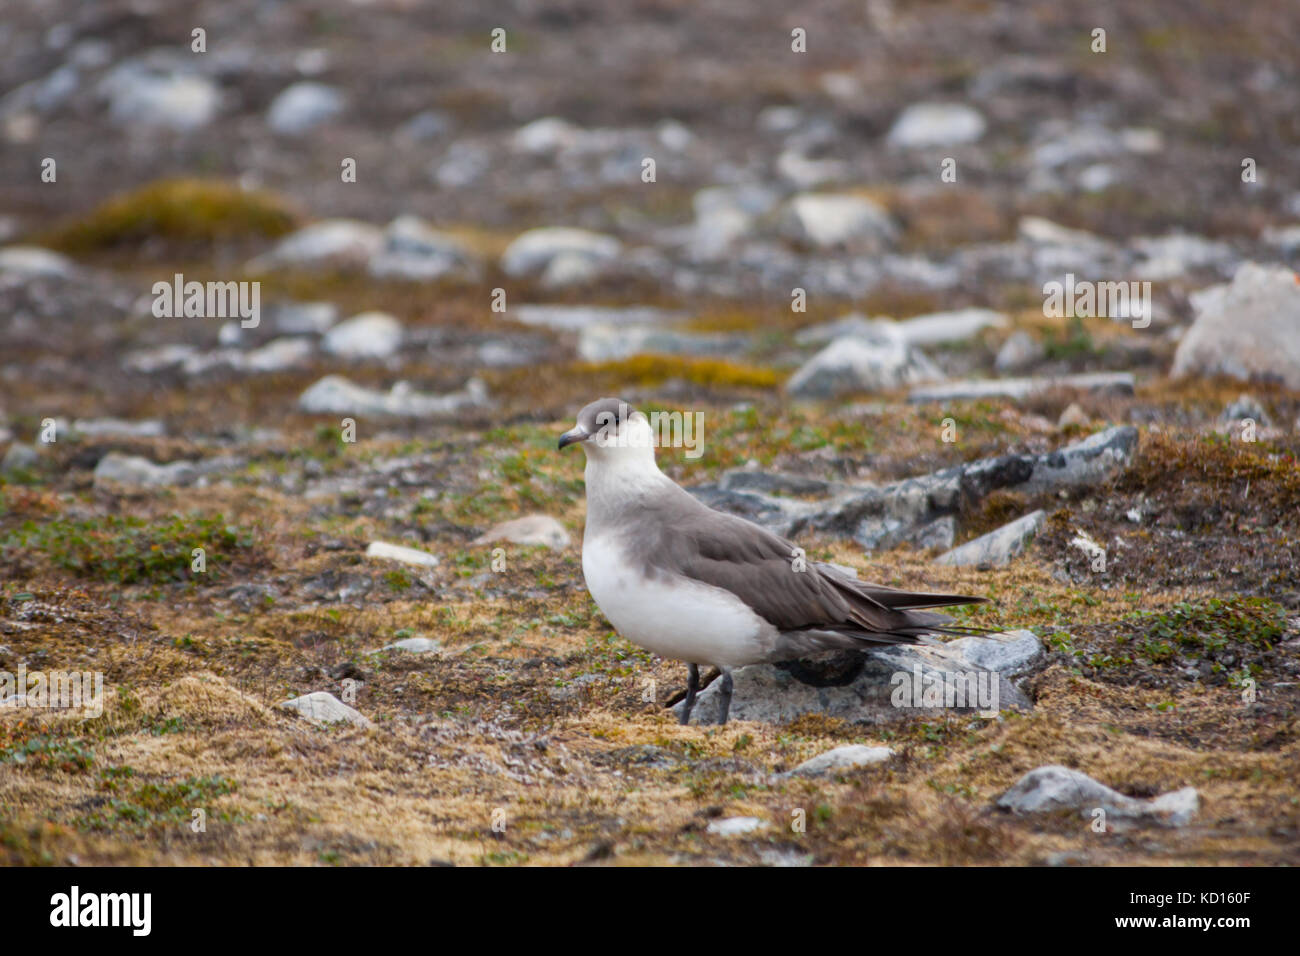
column 692, row 687
column 725, row 693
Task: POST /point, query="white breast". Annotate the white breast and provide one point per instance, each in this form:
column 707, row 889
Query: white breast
column 674, row 617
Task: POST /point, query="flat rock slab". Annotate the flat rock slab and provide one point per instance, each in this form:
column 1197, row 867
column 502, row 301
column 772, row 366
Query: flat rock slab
column 1051, row 788
column 850, row 757
column 1020, row 388
column 997, row 547
column 324, row 708
column 913, row 509
column 397, row 552
column 878, row 686
column 528, row 530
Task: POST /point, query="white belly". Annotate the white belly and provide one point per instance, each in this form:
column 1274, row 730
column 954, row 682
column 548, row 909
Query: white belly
column 673, row 617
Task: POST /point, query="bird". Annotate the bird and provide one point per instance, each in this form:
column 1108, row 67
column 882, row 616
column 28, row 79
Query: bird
column 704, row 587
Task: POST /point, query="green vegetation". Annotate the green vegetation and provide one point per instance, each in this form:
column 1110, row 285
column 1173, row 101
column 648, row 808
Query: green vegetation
column 130, row 550
column 1208, row 628
column 193, row 211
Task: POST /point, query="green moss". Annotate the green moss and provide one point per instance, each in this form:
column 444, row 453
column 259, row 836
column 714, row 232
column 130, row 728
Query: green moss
column 130, row 550
column 655, row 369
column 196, row 211
column 152, row 804
column 1208, row 628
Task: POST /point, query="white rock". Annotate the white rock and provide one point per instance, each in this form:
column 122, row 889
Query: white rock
column 1020, row 388
column 936, row 124
column 958, row 325
column 302, row 318
column 34, row 261
column 368, row 335
column 334, row 394
column 19, row 457
column 151, row 94
column 830, row 220
column 332, row 242
column 550, row 134
column 415, row 250
column 997, row 547
column 528, row 530
column 278, row 355
column 1059, row 788
column 1019, row 352
column 532, row 251
column 574, row 318
column 324, row 708
column 149, row 428
column 1248, row 329
column 414, row 645
column 132, row 471
column 397, row 552
column 843, row 758
column 858, row 364
column 1007, row 653
column 737, row 826
column 301, row 106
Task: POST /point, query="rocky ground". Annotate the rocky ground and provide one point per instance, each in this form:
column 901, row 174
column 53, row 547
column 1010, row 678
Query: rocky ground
column 840, row 262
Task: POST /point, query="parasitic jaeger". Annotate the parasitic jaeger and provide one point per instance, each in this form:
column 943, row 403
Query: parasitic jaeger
column 697, row 585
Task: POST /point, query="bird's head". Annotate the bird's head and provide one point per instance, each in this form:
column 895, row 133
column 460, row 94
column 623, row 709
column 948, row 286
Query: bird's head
column 612, row 430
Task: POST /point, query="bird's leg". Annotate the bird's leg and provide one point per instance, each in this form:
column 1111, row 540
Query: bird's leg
column 692, row 685
column 724, row 689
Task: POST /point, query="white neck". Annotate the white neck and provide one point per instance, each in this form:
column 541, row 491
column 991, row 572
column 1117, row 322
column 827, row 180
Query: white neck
column 617, row 476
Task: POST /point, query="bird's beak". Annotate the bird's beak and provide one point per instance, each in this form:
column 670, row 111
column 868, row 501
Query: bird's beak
column 573, row 436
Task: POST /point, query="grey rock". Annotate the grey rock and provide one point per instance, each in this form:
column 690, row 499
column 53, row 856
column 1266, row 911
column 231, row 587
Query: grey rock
column 303, row 105
column 828, row 221
column 726, row 214
column 416, row 251
column 864, row 687
column 336, row 395
column 368, row 335
column 425, row 126
column 1052, row 788
column 997, row 547
column 849, row 757
column 1019, row 352
column 116, row 427
column 330, row 243
column 324, row 708
column 156, row 91
column 532, row 251
column 1248, row 329
column 1246, row 406
column 886, row 515
column 528, row 530
column 1008, row 653
column 304, row 318
column 401, row 554
column 19, row 457
column 737, row 826
column 574, row 318
column 1021, row 388
column 605, row 343
column 132, row 471
column 545, row 136
column 860, row 364
column 1167, row 257
column 936, row 124
column 930, row 329
column 29, row 261
column 414, row 645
